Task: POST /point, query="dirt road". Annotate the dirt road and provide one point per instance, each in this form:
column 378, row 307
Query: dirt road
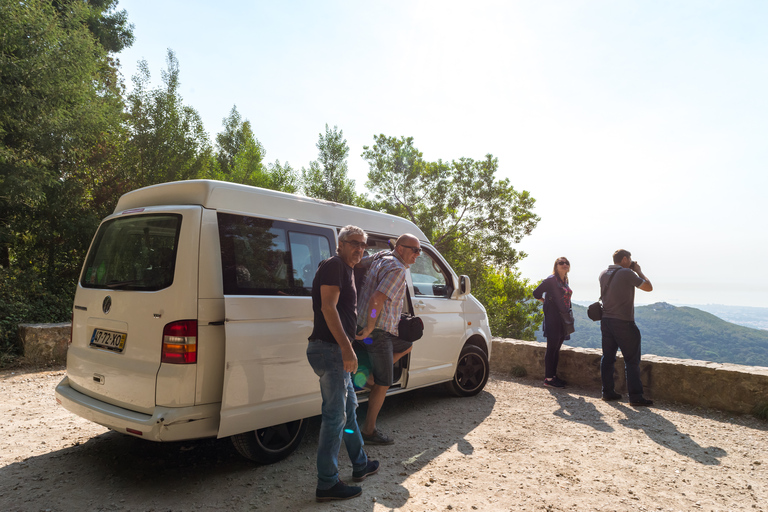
column 516, row 446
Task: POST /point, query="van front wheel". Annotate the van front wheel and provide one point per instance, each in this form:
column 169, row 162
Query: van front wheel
column 472, row 372
column 270, row 444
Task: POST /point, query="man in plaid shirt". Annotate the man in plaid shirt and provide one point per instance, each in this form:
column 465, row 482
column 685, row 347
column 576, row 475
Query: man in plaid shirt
column 379, row 306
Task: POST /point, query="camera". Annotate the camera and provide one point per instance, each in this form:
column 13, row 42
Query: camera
column 633, row 265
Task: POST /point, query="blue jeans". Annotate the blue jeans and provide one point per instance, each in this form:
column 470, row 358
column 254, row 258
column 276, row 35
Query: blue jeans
column 339, row 414
column 624, row 335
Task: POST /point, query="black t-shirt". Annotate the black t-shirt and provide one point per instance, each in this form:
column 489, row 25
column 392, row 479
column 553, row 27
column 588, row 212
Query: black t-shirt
column 334, row 272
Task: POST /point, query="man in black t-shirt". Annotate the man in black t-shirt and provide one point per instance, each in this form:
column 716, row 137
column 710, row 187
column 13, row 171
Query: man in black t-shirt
column 334, row 303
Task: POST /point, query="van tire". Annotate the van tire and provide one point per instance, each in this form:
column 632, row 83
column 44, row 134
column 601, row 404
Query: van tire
column 472, row 371
column 270, row 444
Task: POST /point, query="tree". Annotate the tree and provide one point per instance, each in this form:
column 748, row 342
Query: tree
column 237, row 136
column 60, row 116
column 239, row 159
column 327, row 176
column 168, row 140
column 59, row 106
column 470, row 216
column 282, row 177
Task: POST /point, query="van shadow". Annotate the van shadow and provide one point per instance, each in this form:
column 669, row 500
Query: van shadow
column 118, row 472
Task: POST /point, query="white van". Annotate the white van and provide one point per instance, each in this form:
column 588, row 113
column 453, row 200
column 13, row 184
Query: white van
column 193, row 309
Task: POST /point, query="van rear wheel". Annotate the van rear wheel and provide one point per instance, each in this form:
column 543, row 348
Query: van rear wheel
column 270, row 444
column 472, row 372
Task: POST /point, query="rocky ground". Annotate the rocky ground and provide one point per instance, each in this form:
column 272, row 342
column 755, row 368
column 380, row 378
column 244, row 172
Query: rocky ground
column 516, row 446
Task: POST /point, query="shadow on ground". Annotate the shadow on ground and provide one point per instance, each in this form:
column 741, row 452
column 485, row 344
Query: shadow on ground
column 116, row 472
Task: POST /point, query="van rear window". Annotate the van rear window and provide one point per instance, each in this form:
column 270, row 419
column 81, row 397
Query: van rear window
column 269, row 257
column 134, row 253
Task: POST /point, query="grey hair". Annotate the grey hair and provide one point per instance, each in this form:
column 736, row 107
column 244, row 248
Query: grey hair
column 350, row 230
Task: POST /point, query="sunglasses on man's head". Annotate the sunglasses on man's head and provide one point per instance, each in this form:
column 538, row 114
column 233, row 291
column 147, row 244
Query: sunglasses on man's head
column 417, row 250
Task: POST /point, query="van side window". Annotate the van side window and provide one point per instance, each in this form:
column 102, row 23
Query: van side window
column 267, row 257
column 430, row 278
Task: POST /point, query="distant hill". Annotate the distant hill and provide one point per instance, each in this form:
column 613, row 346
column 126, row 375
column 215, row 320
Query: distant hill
column 756, row 318
column 682, row 332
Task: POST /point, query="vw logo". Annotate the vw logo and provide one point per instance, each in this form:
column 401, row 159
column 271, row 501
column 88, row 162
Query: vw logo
column 107, row 304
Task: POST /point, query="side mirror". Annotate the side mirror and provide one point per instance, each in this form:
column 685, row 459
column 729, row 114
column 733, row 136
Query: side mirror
column 465, row 286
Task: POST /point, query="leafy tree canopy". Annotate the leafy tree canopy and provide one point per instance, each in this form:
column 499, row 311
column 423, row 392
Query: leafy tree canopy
column 168, row 140
column 451, row 201
column 470, row 216
column 326, row 177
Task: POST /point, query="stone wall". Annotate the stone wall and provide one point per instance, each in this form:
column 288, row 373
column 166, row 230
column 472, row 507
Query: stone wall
column 45, row 343
column 728, row 387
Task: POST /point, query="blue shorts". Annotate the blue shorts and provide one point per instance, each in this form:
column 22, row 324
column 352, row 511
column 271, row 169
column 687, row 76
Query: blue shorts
column 380, row 350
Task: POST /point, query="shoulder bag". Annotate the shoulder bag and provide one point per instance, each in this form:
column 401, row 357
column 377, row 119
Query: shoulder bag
column 410, row 328
column 595, row 310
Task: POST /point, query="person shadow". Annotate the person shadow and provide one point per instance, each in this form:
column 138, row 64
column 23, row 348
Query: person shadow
column 576, row 408
column 665, row 433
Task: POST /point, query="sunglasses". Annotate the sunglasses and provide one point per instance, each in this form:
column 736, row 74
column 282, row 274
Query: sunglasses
column 356, row 244
column 417, row 250
column 563, row 263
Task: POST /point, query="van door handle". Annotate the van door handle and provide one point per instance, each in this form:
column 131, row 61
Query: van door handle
column 420, row 304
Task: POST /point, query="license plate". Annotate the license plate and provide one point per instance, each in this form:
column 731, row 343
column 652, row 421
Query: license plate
column 108, row 339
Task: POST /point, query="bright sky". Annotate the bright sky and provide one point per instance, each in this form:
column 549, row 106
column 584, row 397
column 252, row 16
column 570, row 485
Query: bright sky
column 640, row 125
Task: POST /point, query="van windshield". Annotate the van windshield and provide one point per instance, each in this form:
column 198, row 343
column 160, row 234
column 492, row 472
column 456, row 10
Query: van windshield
column 134, row 253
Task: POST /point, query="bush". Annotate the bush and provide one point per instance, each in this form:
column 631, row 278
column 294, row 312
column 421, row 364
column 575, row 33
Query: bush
column 761, row 411
column 25, row 299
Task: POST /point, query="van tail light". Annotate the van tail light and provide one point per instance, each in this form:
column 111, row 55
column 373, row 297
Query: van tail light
column 180, row 342
column 72, row 328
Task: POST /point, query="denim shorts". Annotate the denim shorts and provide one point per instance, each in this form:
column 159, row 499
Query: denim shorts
column 380, row 349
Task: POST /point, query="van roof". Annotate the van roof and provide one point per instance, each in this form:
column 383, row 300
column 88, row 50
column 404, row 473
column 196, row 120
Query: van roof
column 234, row 197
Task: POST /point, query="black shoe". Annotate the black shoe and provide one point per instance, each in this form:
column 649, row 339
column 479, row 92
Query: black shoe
column 561, row 381
column 340, row 491
column 554, row 383
column 370, row 469
column 611, row 396
column 643, row 402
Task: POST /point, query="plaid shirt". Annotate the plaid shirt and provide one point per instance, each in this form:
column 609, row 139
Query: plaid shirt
column 386, row 275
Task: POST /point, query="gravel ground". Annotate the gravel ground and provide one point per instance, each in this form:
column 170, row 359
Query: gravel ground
column 516, row 446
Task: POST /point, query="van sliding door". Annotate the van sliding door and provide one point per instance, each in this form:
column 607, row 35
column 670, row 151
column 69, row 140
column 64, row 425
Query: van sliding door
column 268, row 267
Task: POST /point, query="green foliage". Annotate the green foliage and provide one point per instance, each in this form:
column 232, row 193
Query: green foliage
column 61, row 115
column 456, row 203
column 238, row 137
column 167, row 139
column 518, row 371
column 24, row 298
column 239, row 159
column 327, row 177
column 681, row 332
column 761, row 411
column 470, row 216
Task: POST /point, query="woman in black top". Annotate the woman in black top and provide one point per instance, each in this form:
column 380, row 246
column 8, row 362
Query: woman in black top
column 555, row 293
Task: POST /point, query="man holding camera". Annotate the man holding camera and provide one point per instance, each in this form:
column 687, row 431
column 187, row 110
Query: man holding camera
column 617, row 286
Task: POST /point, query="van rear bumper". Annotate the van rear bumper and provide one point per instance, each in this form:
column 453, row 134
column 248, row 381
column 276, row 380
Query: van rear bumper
column 165, row 424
